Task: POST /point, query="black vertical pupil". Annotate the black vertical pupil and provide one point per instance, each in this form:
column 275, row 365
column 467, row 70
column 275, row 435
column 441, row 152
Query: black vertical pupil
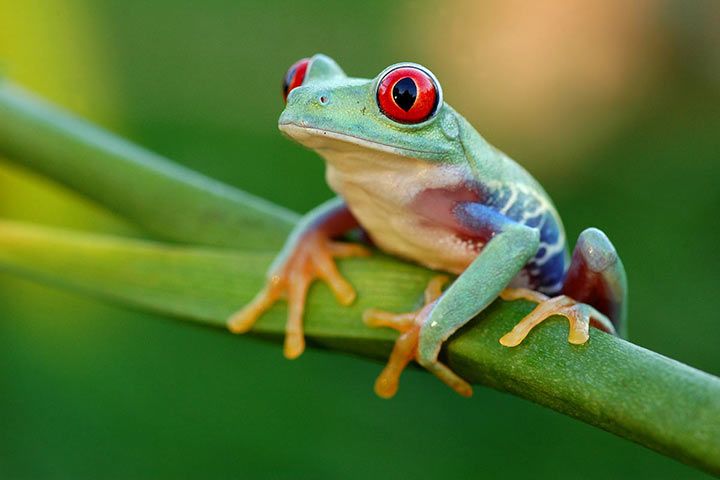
column 404, row 93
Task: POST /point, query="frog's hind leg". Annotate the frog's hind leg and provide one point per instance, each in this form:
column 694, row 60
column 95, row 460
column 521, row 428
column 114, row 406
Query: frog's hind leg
column 597, row 277
column 425, row 331
column 594, row 293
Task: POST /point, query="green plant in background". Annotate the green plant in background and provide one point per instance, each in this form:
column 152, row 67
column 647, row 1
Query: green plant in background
column 611, row 383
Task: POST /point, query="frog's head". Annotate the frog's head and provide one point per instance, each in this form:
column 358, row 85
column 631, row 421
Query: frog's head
column 400, row 112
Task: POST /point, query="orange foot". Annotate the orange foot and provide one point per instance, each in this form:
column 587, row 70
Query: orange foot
column 406, row 346
column 579, row 315
column 311, row 259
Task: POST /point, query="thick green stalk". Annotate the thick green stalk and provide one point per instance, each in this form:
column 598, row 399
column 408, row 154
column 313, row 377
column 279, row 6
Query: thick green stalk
column 610, row 383
column 166, row 199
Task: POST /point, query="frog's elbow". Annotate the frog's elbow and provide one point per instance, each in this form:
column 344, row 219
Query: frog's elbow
column 524, row 235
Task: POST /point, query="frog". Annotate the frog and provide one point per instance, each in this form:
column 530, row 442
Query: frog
column 420, row 183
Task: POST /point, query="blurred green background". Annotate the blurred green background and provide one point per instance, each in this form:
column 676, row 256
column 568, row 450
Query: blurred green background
column 613, row 105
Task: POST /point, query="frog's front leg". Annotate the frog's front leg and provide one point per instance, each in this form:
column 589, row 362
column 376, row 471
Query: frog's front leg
column 308, row 254
column 509, row 247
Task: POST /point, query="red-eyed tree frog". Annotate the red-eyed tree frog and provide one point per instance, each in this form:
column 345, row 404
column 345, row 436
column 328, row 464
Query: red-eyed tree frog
column 423, row 185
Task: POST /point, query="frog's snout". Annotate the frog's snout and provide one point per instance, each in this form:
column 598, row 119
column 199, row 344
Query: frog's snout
column 304, row 104
column 307, row 97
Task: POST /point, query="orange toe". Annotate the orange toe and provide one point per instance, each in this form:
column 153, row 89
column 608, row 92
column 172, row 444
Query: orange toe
column 579, row 316
column 312, row 259
column 406, row 345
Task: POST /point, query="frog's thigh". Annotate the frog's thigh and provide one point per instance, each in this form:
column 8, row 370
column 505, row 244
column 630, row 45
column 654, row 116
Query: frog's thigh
column 596, row 277
column 498, row 263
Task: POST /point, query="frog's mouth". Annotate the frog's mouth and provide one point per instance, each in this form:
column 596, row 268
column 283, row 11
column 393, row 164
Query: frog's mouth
column 322, row 139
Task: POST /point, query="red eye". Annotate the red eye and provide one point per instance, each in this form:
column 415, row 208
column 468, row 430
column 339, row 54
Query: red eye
column 408, row 94
column 295, row 76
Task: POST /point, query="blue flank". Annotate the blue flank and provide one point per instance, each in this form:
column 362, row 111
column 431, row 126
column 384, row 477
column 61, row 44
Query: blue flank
column 545, row 274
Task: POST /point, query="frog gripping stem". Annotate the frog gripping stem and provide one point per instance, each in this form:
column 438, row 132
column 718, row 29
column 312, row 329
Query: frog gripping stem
column 579, row 316
column 308, row 255
column 406, row 346
column 311, row 259
column 594, row 293
column 421, row 184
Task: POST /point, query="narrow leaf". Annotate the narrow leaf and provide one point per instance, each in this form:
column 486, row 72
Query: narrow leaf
column 610, row 383
column 166, row 199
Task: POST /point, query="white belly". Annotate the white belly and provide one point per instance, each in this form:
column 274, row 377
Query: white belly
column 380, row 192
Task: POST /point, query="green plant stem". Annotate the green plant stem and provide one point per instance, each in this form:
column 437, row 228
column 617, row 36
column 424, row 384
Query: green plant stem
column 610, row 383
column 164, row 198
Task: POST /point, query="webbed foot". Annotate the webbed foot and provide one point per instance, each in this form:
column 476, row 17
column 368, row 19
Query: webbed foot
column 579, row 315
column 406, row 346
column 312, row 259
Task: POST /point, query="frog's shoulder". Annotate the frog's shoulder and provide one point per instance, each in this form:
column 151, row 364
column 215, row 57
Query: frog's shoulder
column 493, row 169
